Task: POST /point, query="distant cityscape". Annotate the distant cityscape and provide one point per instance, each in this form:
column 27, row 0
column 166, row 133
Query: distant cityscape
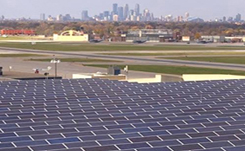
column 127, row 14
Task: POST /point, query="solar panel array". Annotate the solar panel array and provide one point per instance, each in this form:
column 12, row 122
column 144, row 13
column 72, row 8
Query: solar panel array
column 104, row 115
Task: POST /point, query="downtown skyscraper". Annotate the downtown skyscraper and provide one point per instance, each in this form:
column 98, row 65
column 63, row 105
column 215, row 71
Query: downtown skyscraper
column 121, row 13
column 85, row 16
column 137, row 10
column 115, row 9
column 126, row 12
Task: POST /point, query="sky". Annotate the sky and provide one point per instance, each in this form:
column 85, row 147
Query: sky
column 206, row 9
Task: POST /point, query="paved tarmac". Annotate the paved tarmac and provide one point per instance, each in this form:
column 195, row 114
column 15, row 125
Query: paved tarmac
column 67, row 69
column 133, row 59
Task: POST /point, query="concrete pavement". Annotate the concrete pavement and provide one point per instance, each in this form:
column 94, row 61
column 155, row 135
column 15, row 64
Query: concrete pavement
column 66, row 69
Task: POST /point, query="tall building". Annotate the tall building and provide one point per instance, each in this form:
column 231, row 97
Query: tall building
column 238, row 17
column 50, row 18
column 230, row 19
column 126, row 12
column 187, row 15
column 147, row 15
column 224, row 19
column 179, row 19
column 120, row 13
column 42, row 17
column 152, row 17
column 59, row 17
column 85, row 15
column 115, row 18
column 115, row 8
column 137, row 9
column 106, row 15
column 67, row 17
column 2, row 17
column 131, row 12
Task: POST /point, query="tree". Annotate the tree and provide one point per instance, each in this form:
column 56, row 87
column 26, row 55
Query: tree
column 197, row 36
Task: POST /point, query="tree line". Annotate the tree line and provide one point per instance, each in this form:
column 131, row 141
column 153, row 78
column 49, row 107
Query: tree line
column 115, row 29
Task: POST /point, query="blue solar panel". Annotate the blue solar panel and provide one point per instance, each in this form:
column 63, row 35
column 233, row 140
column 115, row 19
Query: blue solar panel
column 63, row 140
column 103, row 115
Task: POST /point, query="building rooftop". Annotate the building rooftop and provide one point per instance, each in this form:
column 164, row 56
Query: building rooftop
column 12, row 75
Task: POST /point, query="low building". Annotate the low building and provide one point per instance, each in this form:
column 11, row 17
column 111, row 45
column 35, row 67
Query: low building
column 235, row 39
column 71, row 35
column 13, row 75
column 186, row 38
column 98, row 75
column 149, row 35
column 158, row 79
column 17, row 32
column 213, row 38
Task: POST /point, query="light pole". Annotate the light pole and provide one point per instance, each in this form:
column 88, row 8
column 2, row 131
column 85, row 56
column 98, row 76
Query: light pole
column 126, row 71
column 55, row 61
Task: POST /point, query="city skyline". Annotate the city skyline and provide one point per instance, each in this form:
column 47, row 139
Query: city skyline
column 206, row 10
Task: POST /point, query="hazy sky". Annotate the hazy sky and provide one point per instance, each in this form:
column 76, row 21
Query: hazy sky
column 207, row 9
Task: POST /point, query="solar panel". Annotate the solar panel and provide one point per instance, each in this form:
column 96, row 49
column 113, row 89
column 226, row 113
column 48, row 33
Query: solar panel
column 104, row 115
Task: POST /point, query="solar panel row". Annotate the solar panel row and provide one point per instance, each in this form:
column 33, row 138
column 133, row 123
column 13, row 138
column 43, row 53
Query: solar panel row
column 103, row 115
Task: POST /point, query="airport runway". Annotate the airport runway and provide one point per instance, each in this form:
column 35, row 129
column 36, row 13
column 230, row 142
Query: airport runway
column 133, row 60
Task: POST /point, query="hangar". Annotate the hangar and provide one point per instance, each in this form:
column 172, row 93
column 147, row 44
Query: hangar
column 150, row 35
column 71, row 35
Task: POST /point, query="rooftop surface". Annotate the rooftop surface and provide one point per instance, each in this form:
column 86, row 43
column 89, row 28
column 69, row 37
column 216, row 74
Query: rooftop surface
column 13, row 75
column 104, row 115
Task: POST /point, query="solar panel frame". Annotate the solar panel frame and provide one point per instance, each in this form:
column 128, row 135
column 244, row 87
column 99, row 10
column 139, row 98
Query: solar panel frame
column 93, row 114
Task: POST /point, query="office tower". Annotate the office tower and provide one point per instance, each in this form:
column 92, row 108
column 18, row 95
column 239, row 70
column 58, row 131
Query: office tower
column 59, row 17
column 115, row 18
column 238, row 17
column 120, row 13
column 85, row 15
column 2, row 17
column 230, row 19
column 67, row 17
column 101, row 16
column 126, row 12
column 115, row 8
column 152, row 17
column 131, row 12
column 146, row 13
column 42, row 17
column 106, row 13
column 224, row 19
column 137, row 10
column 50, row 18
column 179, row 18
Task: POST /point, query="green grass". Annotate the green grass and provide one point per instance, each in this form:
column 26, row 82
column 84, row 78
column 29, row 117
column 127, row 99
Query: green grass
column 110, row 47
column 226, row 59
column 175, row 54
column 177, row 70
column 20, row 55
column 15, row 38
column 73, row 60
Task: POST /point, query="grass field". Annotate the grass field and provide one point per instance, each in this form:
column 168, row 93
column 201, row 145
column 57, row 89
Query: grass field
column 20, row 55
column 73, row 60
column 112, row 47
column 226, row 59
column 177, row 70
column 175, row 54
column 15, row 38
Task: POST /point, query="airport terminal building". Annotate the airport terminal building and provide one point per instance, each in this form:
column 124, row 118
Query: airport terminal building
column 150, row 35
